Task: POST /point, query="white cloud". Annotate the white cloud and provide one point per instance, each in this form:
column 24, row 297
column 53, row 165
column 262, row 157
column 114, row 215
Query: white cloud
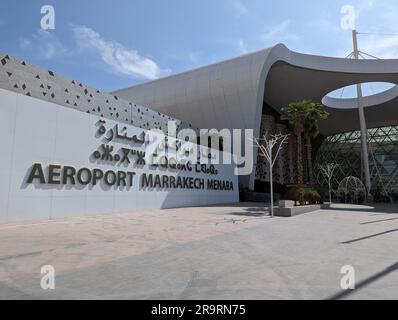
column 279, row 32
column 386, row 16
column 194, row 57
column 242, row 46
column 120, row 59
column 239, row 8
column 383, row 47
column 364, row 5
column 44, row 45
column 25, row 44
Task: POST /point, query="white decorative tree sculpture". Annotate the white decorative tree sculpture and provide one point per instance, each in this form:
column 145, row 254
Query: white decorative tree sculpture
column 328, row 169
column 266, row 147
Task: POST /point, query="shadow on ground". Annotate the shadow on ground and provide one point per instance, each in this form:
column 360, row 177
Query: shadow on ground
column 378, row 221
column 252, row 212
column 365, row 283
column 373, row 209
column 370, row 236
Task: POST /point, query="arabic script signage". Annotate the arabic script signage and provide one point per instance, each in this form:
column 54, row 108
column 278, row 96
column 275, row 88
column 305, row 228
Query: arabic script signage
column 130, row 154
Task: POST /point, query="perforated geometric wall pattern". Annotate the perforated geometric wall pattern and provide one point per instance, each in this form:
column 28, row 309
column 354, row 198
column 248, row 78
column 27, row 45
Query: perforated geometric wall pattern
column 344, row 149
column 284, row 171
column 23, row 78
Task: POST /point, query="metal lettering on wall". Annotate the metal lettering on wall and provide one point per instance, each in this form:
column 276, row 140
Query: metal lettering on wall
column 132, row 151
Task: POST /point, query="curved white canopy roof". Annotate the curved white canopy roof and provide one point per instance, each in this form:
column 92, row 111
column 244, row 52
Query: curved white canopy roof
column 231, row 93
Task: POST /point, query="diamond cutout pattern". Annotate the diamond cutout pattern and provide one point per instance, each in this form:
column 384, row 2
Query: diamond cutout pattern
column 345, row 150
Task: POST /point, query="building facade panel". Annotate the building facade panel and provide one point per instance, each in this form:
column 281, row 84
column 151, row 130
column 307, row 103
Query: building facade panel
column 57, row 162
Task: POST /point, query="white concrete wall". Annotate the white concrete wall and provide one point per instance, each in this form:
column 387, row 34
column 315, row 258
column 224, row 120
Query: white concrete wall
column 24, row 78
column 36, row 131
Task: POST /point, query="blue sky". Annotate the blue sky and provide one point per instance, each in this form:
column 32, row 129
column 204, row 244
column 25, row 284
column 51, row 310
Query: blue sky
column 113, row 44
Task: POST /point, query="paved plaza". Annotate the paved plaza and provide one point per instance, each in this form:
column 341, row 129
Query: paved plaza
column 216, row 252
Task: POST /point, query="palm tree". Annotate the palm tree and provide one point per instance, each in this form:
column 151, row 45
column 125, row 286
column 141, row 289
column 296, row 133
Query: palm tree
column 314, row 113
column 293, row 114
column 304, row 117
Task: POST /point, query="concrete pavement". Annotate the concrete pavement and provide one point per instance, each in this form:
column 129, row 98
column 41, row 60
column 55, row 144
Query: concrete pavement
column 221, row 252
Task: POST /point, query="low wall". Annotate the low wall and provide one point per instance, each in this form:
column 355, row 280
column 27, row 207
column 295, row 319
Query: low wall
column 57, row 162
column 294, row 211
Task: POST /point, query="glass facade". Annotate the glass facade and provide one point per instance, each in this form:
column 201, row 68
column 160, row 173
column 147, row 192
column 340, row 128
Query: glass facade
column 344, row 149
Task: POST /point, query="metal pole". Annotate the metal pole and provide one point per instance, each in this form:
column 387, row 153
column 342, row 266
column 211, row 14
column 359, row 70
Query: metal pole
column 272, row 186
column 362, row 121
column 330, row 191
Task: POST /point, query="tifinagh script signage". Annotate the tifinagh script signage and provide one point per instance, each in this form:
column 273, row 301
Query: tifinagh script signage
column 172, row 164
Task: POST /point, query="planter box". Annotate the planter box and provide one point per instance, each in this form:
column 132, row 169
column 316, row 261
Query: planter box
column 286, row 204
column 294, row 211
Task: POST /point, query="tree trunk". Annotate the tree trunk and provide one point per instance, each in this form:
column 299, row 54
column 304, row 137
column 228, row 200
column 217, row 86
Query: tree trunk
column 300, row 178
column 272, row 189
column 309, row 161
column 298, row 130
column 330, row 191
column 304, row 159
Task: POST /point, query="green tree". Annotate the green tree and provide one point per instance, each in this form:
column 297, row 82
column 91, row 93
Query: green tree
column 314, row 113
column 304, row 117
column 293, row 114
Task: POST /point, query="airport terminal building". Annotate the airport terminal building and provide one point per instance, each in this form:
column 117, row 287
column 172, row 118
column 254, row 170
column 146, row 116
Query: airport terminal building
column 62, row 155
column 249, row 91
